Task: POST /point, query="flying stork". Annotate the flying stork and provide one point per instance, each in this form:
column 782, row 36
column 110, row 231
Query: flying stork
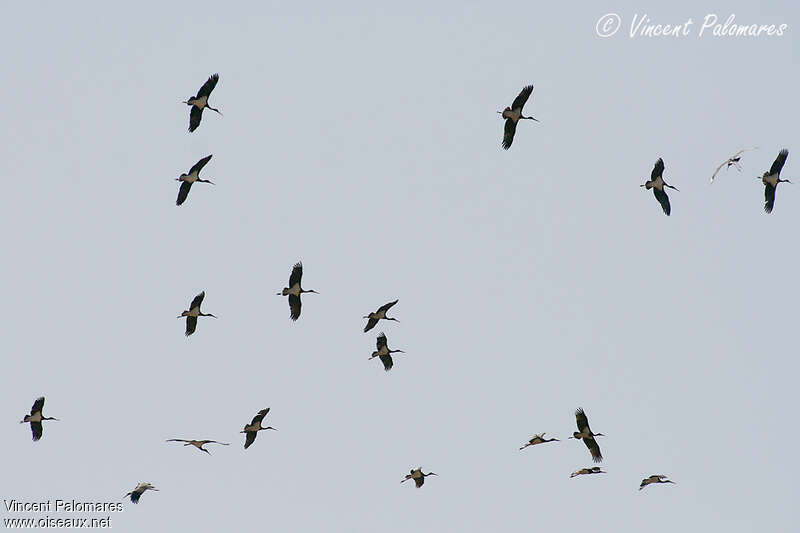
column 655, row 478
column 658, row 184
column 514, row 114
column 772, row 178
column 190, row 177
column 36, row 417
column 379, row 314
column 200, row 102
column 140, row 489
column 254, row 427
column 590, row 470
column 585, row 433
column 733, row 161
column 199, row 443
column 294, row 290
column 384, row 353
column 194, row 312
column 538, row 439
column 418, row 476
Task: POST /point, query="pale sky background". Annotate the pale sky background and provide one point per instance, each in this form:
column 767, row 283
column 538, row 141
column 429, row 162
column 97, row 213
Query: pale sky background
column 362, row 139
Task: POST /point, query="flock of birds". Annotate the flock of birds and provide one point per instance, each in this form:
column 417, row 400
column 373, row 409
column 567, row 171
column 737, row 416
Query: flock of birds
column 294, row 291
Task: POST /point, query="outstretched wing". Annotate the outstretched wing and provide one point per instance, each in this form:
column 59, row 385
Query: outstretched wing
column 769, row 197
column 294, row 306
column 195, row 115
column 508, row 133
column 260, row 416
column 183, row 192
column 135, row 496
column 387, row 362
column 714, row 175
column 663, row 199
column 594, row 449
column 36, row 430
column 200, row 164
column 38, row 405
column 208, row 86
column 388, row 306
column 779, row 161
column 250, row 438
column 519, row 101
column 198, row 300
column 297, row 274
column 370, row 324
column 191, row 325
column 658, row 169
column 581, row 420
column 381, row 341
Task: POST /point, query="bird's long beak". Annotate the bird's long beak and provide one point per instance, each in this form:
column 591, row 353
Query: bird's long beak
column 212, row 316
column 674, row 188
column 536, row 119
column 279, row 294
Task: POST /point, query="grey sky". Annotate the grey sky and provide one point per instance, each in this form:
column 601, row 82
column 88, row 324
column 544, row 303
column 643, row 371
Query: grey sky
column 362, row 139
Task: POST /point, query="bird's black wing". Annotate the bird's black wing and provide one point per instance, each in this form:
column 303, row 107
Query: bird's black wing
column 197, row 301
column 200, row 164
column 260, row 416
column 381, row 340
column 388, row 306
column 419, row 481
column 779, row 161
column 296, row 275
column 36, row 430
column 658, row 169
column 519, row 101
column 370, row 324
column 195, row 115
column 581, row 420
column 294, row 306
column 183, row 192
column 208, row 86
column 769, row 197
column 594, row 449
column 663, row 199
column 387, row 362
column 135, row 496
column 508, row 134
column 250, row 438
column 191, row 325
column 38, row 405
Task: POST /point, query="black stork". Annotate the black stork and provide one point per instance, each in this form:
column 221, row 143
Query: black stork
column 140, row 489
column 190, row 177
column 655, row 478
column 418, row 476
column 379, row 314
column 194, row 312
column 384, row 353
column 294, row 290
column 251, row 430
column 200, row 102
column 514, row 114
column 658, row 184
column 732, row 161
column 772, row 178
column 585, row 433
column 36, row 417
column 585, row 471
column 199, row 443
column 538, row 439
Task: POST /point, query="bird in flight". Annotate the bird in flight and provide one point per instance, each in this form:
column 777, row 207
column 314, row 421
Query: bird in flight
column 733, row 161
column 514, row 114
column 194, row 312
column 584, row 471
column 585, row 433
column 418, row 476
column 251, row 430
column 378, row 315
column 191, row 177
column 199, row 443
column 294, row 290
column 655, row 478
column 538, row 439
column 200, row 102
column 658, row 184
column 772, row 178
column 36, row 417
column 140, row 489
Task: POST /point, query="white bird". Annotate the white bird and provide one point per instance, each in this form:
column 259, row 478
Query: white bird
column 655, row 478
column 538, row 439
column 590, row 470
column 514, row 114
column 36, row 417
column 140, row 489
column 732, row 161
column 418, row 476
column 658, row 184
column 199, row 443
column 772, row 178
